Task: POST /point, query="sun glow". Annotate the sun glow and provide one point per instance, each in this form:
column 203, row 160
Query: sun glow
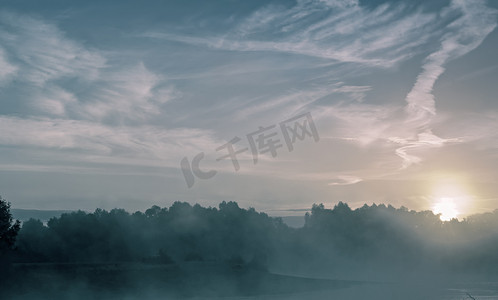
column 447, row 207
column 451, row 197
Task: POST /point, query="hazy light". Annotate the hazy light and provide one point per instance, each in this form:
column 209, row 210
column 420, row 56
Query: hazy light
column 451, row 196
column 447, row 208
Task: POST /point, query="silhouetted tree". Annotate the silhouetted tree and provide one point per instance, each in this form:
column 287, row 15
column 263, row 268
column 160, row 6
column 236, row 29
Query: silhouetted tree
column 8, row 228
column 8, row 233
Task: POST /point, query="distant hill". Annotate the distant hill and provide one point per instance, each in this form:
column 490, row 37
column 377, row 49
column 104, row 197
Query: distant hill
column 42, row 215
column 294, row 221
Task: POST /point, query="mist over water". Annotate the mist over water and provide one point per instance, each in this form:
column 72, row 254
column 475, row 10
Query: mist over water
column 185, row 251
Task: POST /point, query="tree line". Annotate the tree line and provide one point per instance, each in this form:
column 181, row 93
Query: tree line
column 340, row 238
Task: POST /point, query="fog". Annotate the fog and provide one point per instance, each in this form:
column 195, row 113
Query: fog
column 190, row 251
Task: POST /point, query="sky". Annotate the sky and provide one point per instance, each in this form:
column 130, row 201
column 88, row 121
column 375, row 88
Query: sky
column 137, row 103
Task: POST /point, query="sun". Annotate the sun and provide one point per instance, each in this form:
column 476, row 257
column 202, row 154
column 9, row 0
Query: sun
column 447, row 207
column 451, row 196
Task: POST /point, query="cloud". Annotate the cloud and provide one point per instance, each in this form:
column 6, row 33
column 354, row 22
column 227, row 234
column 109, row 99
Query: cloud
column 362, row 123
column 381, row 37
column 44, row 51
column 328, row 30
column 99, row 105
column 108, row 88
column 469, row 24
column 85, row 105
column 285, row 105
column 128, row 93
column 344, row 31
column 357, row 93
column 467, row 32
column 95, row 142
column 345, row 180
column 53, row 100
column 7, row 70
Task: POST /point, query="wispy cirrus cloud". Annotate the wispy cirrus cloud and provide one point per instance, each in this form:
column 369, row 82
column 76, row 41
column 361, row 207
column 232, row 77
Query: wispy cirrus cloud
column 132, row 92
column 44, row 53
column 284, row 105
column 328, row 30
column 127, row 145
column 104, row 88
column 7, row 69
column 373, row 38
column 474, row 22
column 84, row 102
column 469, row 23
